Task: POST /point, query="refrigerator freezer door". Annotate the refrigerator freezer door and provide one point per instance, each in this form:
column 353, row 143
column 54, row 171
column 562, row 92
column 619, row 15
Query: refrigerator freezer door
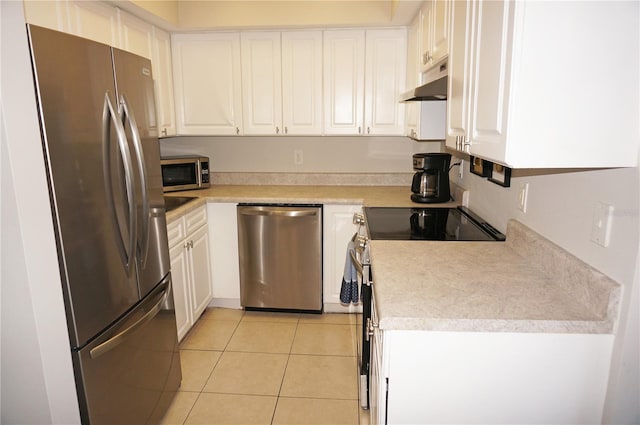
column 136, row 101
column 72, row 77
column 132, row 371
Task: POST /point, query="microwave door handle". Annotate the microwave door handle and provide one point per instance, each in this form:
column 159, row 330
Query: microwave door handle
column 129, row 117
column 110, row 116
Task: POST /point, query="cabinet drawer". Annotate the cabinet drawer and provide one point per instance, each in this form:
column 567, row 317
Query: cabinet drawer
column 176, row 232
column 195, row 219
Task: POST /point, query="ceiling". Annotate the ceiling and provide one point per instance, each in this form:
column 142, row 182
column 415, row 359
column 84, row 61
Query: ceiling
column 199, row 15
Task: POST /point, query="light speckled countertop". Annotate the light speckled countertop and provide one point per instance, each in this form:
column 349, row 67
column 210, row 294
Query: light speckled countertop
column 527, row 284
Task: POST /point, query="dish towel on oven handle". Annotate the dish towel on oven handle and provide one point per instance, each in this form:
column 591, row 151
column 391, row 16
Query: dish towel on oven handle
column 349, row 288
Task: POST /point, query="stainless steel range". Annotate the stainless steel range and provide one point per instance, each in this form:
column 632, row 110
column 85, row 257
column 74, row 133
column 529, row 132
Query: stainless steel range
column 409, row 224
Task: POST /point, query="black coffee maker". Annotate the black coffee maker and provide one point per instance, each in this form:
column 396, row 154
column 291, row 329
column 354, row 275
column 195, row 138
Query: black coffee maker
column 431, row 181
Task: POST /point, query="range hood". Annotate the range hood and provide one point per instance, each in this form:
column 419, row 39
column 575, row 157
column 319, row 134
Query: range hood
column 435, row 87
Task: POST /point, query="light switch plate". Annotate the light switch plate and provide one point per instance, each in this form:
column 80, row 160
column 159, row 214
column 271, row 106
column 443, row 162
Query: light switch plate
column 601, row 225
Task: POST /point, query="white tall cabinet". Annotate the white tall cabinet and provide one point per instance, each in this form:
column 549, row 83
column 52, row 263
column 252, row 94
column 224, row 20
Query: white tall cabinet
column 207, row 83
column 526, row 92
column 364, row 74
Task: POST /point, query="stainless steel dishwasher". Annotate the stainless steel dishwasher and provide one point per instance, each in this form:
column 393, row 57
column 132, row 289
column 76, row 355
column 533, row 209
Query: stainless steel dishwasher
column 280, row 249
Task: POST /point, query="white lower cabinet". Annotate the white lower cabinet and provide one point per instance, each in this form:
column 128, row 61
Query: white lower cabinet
column 190, row 267
column 338, row 228
column 432, row 377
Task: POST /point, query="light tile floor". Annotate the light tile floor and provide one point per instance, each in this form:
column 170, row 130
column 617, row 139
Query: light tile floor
column 269, row 368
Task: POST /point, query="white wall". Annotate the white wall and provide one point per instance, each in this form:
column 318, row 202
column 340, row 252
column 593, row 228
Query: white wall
column 328, row 154
column 560, row 207
column 37, row 385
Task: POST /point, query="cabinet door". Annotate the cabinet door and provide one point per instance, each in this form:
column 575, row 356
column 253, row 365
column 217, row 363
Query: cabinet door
column 180, row 285
column 441, row 29
column 163, row 76
column 48, row 14
column 261, row 83
column 385, row 69
column 413, row 74
column 343, row 81
column 302, row 82
column 490, row 78
column 94, row 20
column 426, row 43
column 460, row 67
column 206, row 70
column 338, row 228
column 200, row 272
column 136, row 36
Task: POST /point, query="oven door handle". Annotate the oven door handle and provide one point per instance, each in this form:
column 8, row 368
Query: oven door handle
column 356, row 263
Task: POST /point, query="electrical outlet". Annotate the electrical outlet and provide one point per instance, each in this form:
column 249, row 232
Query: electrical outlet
column 461, row 169
column 297, row 157
column 523, row 194
column 601, row 225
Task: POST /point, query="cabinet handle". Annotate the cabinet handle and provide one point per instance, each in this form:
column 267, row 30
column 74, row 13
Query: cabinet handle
column 277, row 130
column 164, row 131
column 359, row 130
column 186, row 245
column 286, row 130
column 191, row 244
column 426, row 58
column 237, row 130
column 368, row 130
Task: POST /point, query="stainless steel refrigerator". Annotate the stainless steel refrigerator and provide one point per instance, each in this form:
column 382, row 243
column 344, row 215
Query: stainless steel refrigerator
column 99, row 137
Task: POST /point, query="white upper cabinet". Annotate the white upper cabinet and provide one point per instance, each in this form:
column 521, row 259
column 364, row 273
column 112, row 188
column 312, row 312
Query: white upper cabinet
column 343, row 81
column 364, row 74
column 282, row 83
column 436, row 16
column 385, row 64
column 163, row 76
column 136, row 35
column 458, row 96
column 302, row 82
column 94, row 20
column 207, row 74
column 48, row 14
column 525, row 91
column 261, row 83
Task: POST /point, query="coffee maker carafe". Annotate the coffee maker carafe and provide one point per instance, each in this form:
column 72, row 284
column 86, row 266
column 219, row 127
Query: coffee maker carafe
column 431, row 181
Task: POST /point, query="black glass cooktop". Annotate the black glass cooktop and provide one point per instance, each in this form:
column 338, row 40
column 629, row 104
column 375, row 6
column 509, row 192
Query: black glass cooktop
column 435, row 224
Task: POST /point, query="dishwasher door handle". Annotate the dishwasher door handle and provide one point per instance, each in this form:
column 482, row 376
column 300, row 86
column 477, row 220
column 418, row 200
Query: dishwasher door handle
column 279, row 213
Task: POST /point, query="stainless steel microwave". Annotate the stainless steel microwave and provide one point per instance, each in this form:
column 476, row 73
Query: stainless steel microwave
column 184, row 173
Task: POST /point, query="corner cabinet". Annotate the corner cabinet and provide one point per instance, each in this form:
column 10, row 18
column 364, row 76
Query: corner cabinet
column 207, row 83
column 190, row 270
column 338, row 228
column 364, row 74
column 525, row 91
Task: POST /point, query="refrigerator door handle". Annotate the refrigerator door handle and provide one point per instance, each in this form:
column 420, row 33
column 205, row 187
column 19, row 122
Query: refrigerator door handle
column 128, row 116
column 156, row 300
column 109, row 116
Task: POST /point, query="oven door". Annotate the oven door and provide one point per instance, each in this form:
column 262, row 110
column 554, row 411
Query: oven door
column 360, row 259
